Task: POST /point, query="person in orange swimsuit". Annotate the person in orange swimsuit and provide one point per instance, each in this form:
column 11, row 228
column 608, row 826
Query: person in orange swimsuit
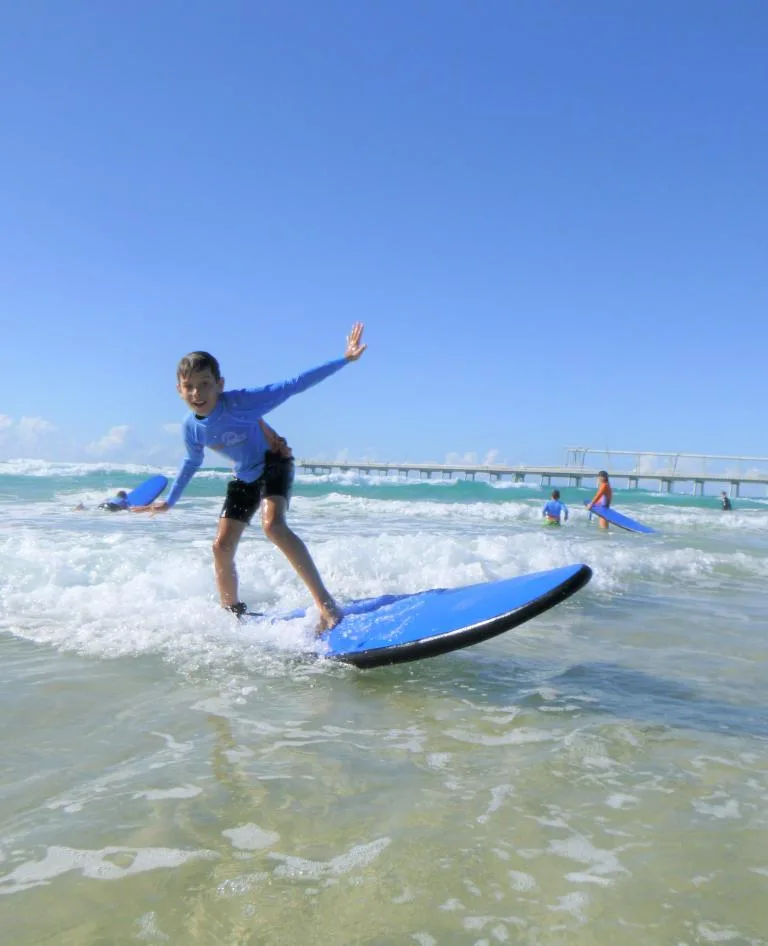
column 602, row 497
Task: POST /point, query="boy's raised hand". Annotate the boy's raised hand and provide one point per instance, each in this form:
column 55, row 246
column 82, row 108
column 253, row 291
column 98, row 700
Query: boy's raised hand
column 355, row 346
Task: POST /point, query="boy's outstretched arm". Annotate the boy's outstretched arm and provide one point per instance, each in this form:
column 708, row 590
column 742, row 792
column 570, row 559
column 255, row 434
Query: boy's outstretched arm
column 263, row 400
column 190, row 465
column 160, row 506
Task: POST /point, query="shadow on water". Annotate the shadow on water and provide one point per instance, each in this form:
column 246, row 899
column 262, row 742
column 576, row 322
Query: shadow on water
column 624, row 691
column 595, row 688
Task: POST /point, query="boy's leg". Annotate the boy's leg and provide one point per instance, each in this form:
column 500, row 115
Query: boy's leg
column 240, row 503
column 277, row 530
column 224, row 548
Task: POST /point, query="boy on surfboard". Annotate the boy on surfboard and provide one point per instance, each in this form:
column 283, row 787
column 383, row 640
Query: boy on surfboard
column 230, row 422
column 602, row 497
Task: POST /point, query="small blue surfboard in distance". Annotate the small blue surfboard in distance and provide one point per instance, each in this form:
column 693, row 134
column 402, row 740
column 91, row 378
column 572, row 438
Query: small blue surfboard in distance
column 623, row 522
column 397, row 628
column 146, row 492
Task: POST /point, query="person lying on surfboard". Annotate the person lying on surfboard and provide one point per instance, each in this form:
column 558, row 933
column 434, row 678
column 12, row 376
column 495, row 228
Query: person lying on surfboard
column 116, row 504
column 555, row 512
column 231, row 423
column 602, row 497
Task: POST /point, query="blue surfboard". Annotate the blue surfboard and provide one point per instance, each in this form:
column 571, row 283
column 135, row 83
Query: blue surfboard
column 146, row 492
column 623, row 522
column 396, row 628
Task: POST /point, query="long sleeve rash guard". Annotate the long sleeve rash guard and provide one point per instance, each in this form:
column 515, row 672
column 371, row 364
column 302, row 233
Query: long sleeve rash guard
column 554, row 509
column 232, row 428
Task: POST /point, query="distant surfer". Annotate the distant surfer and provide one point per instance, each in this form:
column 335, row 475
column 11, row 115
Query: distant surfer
column 230, row 422
column 725, row 501
column 602, row 497
column 118, row 502
column 555, row 512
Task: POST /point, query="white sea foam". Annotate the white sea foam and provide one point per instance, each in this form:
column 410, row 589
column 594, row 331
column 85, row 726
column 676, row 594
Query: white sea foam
column 602, row 863
column 358, row 857
column 160, row 794
column 621, row 800
column 50, row 468
column 521, row 881
column 98, row 865
column 112, row 585
column 356, row 478
column 718, row 805
column 250, row 837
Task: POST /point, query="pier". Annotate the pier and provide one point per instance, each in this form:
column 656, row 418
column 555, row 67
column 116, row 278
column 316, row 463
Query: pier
column 575, row 471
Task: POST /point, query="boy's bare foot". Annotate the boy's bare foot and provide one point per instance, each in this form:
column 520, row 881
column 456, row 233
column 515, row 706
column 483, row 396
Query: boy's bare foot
column 330, row 615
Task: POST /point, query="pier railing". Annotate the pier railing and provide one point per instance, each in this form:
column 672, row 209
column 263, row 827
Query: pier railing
column 572, row 474
column 649, row 461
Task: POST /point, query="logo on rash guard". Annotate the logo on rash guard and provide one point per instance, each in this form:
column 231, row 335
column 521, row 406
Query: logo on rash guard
column 231, row 437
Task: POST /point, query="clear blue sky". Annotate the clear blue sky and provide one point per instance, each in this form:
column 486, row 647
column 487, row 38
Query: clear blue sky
column 552, row 217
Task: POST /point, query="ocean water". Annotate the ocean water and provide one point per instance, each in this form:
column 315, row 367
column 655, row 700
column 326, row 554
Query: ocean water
column 597, row 776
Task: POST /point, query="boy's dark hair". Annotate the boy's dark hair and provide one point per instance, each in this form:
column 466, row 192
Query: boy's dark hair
column 555, row 494
column 602, row 475
column 198, row 361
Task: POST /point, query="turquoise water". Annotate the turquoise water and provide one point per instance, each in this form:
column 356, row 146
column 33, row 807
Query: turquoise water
column 598, row 775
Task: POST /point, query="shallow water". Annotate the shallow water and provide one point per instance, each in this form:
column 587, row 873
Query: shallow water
column 599, row 774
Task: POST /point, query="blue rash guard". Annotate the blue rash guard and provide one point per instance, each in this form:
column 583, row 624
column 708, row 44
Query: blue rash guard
column 232, row 428
column 116, row 504
column 553, row 509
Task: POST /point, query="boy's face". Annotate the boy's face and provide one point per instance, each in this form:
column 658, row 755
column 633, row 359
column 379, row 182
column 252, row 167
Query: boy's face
column 200, row 391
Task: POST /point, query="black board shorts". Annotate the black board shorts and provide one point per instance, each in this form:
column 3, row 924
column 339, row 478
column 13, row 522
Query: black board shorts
column 243, row 499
